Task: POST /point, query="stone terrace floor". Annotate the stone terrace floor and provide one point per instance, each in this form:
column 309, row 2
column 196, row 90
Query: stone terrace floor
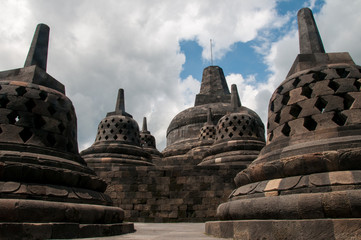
column 164, row 231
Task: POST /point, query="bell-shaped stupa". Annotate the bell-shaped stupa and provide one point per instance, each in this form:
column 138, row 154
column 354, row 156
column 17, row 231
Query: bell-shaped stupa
column 239, row 136
column 183, row 131
column 46, row 189
column 117, row 142
column 148, row 143
column 306, row 182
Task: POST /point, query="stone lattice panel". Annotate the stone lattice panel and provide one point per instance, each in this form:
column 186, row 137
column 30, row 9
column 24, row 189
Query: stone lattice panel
column 236, row 126
column 309, row 95
column 118, row 128
column 147, row 140
column 207, row 132
column 36, row 115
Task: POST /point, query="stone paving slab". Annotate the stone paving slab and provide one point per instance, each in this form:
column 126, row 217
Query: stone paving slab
column 164, row 231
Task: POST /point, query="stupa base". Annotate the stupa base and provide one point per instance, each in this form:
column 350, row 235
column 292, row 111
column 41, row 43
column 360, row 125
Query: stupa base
column 15, row 231
column 286, row 229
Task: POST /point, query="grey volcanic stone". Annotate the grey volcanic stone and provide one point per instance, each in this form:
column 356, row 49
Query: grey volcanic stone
column 46, row 188
column 309, row 169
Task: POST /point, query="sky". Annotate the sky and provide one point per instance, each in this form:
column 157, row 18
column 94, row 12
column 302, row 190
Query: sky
column 157, row 50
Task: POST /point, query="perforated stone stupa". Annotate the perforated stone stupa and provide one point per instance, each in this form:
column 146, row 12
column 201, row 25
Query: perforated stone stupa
column 118, row 141
column 46, row 189
column 306, row 182
column 187, row 143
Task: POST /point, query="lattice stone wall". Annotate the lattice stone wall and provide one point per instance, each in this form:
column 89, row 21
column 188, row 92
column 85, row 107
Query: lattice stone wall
column 240, row 126
column 36, row 115
column 118, row 128
column 315, row 100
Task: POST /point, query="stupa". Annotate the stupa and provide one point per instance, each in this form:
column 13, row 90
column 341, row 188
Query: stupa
column 305, row 184
column 46, row 189
column 239, row 136
column 117, row 142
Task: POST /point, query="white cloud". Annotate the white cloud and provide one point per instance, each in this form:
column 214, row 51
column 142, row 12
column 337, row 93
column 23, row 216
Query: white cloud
column 97, row 47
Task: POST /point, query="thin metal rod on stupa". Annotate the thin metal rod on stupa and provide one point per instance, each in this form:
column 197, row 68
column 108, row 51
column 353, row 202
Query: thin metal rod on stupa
column 209, row 116
column 120, row 106
column 235, row 101
column 309, row 38
column 38, row 52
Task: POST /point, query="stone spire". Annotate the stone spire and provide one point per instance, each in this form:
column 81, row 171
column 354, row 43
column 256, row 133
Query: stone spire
column 120, row 105
column 312, row 53
column 209, row 116
column 309, row 37
column 235, row 101
column 144, row 127
column 38, row 52
column 214, row 87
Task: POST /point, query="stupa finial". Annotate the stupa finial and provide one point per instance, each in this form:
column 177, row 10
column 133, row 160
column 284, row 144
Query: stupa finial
column 209, row 116
column 235, row 101
column 309, row 38
column 120, row 105
column 38, row 52
column 144, row 128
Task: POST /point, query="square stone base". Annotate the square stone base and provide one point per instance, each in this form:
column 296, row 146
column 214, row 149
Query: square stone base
column 15, row 231
column 286, row 229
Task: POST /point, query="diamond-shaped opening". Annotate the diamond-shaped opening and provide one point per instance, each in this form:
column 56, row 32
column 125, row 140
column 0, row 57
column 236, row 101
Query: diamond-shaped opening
column 103, row 131
column 4, row 100
column 20, row 91
column 230, row 135
column 116, row 125
column 39, row 121
column 111, row 130
column 51, row 110
column 295, row 110
column 120, row 120
column 279, row 90
column 30, row 105
column 339, row 118
column 357, row 84
column 342, row 72
column 61, row 127
column 1, row 130
column 13, row 117
column 230, row 123
column 43, row 95
column 113, row 120
column 125, row 138
column 222, row 136
column 234, row 128
column 333, row 85
column 306, row 91
column 296, row 82
column 309, row 123
column 25, row 134
column 286, row 98
column 321, row 104
column 108, row 125
column 226, row 129
column 286, row 130
column 244, row 127
column 239, row 122
column 319, row 76
column 106, row 137
column 120, row 131
column 51, row 139
column 347, row 101
column 99, row 138
column 270, row 136
column 278, row 118
column 272, row 106
column 240, row 133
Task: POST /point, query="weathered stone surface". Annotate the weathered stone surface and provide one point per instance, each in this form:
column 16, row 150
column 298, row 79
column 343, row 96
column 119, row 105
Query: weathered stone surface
column 46, row 188
column 307, row 171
